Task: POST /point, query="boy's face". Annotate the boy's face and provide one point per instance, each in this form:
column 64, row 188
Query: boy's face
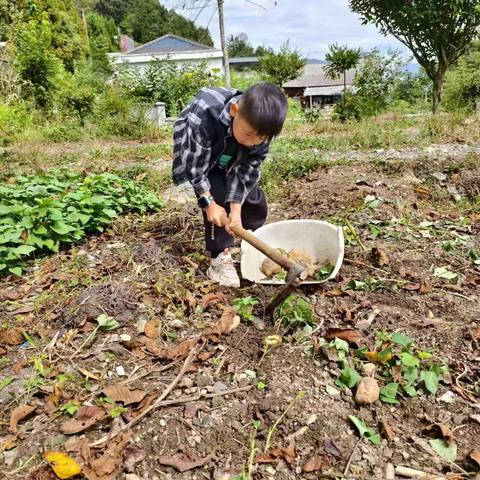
column 244, row 134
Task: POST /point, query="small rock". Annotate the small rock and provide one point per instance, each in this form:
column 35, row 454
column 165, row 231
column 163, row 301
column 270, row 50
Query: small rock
column 217, row 401
column 209, row 388
column 270, row 470
column 347, row 392
column 163, row 423
column 131, row 476
column 186, row 382
column 203, row 379
column 258, row 323
column 368, row 391
column 447, row 397
column 9, row 456
column 124, row 337
column 458, row 419
column 311, row 419
column 120, row 371
column 178, row 324
column 141, row 325
column 219, row 387
column 369, row 369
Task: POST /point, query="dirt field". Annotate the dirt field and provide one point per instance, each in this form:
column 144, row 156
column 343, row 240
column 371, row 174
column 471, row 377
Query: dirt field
column 419, row 211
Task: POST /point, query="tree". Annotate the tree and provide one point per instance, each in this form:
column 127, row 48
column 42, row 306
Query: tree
column 238, row 46
column 283, row 66
column 67, row 34
column 35, row 61
column 377, row 77
column 437, row 32
column 462, row 83
column 341, row 59
column 146, row 20
column 102, row 34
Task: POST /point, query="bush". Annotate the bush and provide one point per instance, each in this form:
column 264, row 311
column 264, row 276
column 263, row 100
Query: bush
column 348, row 108
column 16, row 118
column 462, row 83
column 36, row 64
column 167, row 82
column 312, row 115
column 118, row 114
column 43, row 212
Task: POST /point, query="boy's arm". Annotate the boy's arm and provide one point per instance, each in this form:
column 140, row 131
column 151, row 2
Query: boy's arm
column 196, row 158
column 244, row 176
column 240, row 181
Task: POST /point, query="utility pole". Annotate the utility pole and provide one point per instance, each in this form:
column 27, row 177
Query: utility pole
column 226, row 66
column 85, row 26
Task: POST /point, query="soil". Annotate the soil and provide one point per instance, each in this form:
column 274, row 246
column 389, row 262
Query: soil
column 151, row 270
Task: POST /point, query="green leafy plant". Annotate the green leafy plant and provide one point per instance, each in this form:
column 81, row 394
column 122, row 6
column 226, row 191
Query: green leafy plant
column 349, row 378
column 245, row 306
column 365, row 431
column 5, row 382
column 295, row 311
column 410, row 367
column 324, row 272
column 444, row 273
column 70, row 407
column 41, row 213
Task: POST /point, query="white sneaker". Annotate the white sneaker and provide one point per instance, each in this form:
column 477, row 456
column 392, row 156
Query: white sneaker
column 222, row 271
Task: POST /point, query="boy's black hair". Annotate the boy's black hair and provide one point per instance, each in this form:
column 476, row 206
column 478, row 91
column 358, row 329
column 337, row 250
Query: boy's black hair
column 264, row 107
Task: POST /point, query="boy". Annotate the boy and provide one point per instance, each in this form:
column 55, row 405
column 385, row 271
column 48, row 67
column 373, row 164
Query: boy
column 219, row 142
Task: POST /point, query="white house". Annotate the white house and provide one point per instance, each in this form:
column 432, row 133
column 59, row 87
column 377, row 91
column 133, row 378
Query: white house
column 171, row 48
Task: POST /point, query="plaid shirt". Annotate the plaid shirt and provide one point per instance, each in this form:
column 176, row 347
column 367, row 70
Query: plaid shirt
column 199, row 138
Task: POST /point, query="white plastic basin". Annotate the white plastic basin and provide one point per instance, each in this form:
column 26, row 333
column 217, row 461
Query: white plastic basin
column 320, row 240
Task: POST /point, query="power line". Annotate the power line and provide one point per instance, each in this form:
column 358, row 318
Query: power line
column 211, row 18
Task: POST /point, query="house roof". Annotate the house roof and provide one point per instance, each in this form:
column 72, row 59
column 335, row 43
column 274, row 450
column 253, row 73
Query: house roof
column 326, row 91
column 168, row 44
column 243, row 60
column 314, row 75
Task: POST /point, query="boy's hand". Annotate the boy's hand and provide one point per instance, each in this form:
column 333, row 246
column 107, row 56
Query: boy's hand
column 214, row 214
column 235, row 218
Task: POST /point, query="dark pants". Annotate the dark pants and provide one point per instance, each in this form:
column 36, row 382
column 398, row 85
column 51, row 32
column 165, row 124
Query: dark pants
column 254, row 212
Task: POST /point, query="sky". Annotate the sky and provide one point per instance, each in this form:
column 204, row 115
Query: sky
column 310, row 25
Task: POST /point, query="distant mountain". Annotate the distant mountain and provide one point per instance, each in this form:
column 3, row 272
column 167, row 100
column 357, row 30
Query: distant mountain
column 316, row 61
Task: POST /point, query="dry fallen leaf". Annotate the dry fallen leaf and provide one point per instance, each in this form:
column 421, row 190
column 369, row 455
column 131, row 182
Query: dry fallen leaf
column 18, row 366
column 85, row 417
column 379, row 257
column 374, row 357
column 133, row 455
column 151, row 329
column 317, row 464
column 168, row 353
column 191, row 302
column 475, row 456
column 387, row 431
column 288, row 454
column 210, row 298
column 121, row 393
column 182, row 462
column 440, row 430
column 333, row 448
column 228, row 322
column 19, row 414
column 11, row 336
column 336, row 292
column 7, row 443
column 63, row 465
column 54, row 398
column 107, row 466
column 348, row 334
column 191, row 409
